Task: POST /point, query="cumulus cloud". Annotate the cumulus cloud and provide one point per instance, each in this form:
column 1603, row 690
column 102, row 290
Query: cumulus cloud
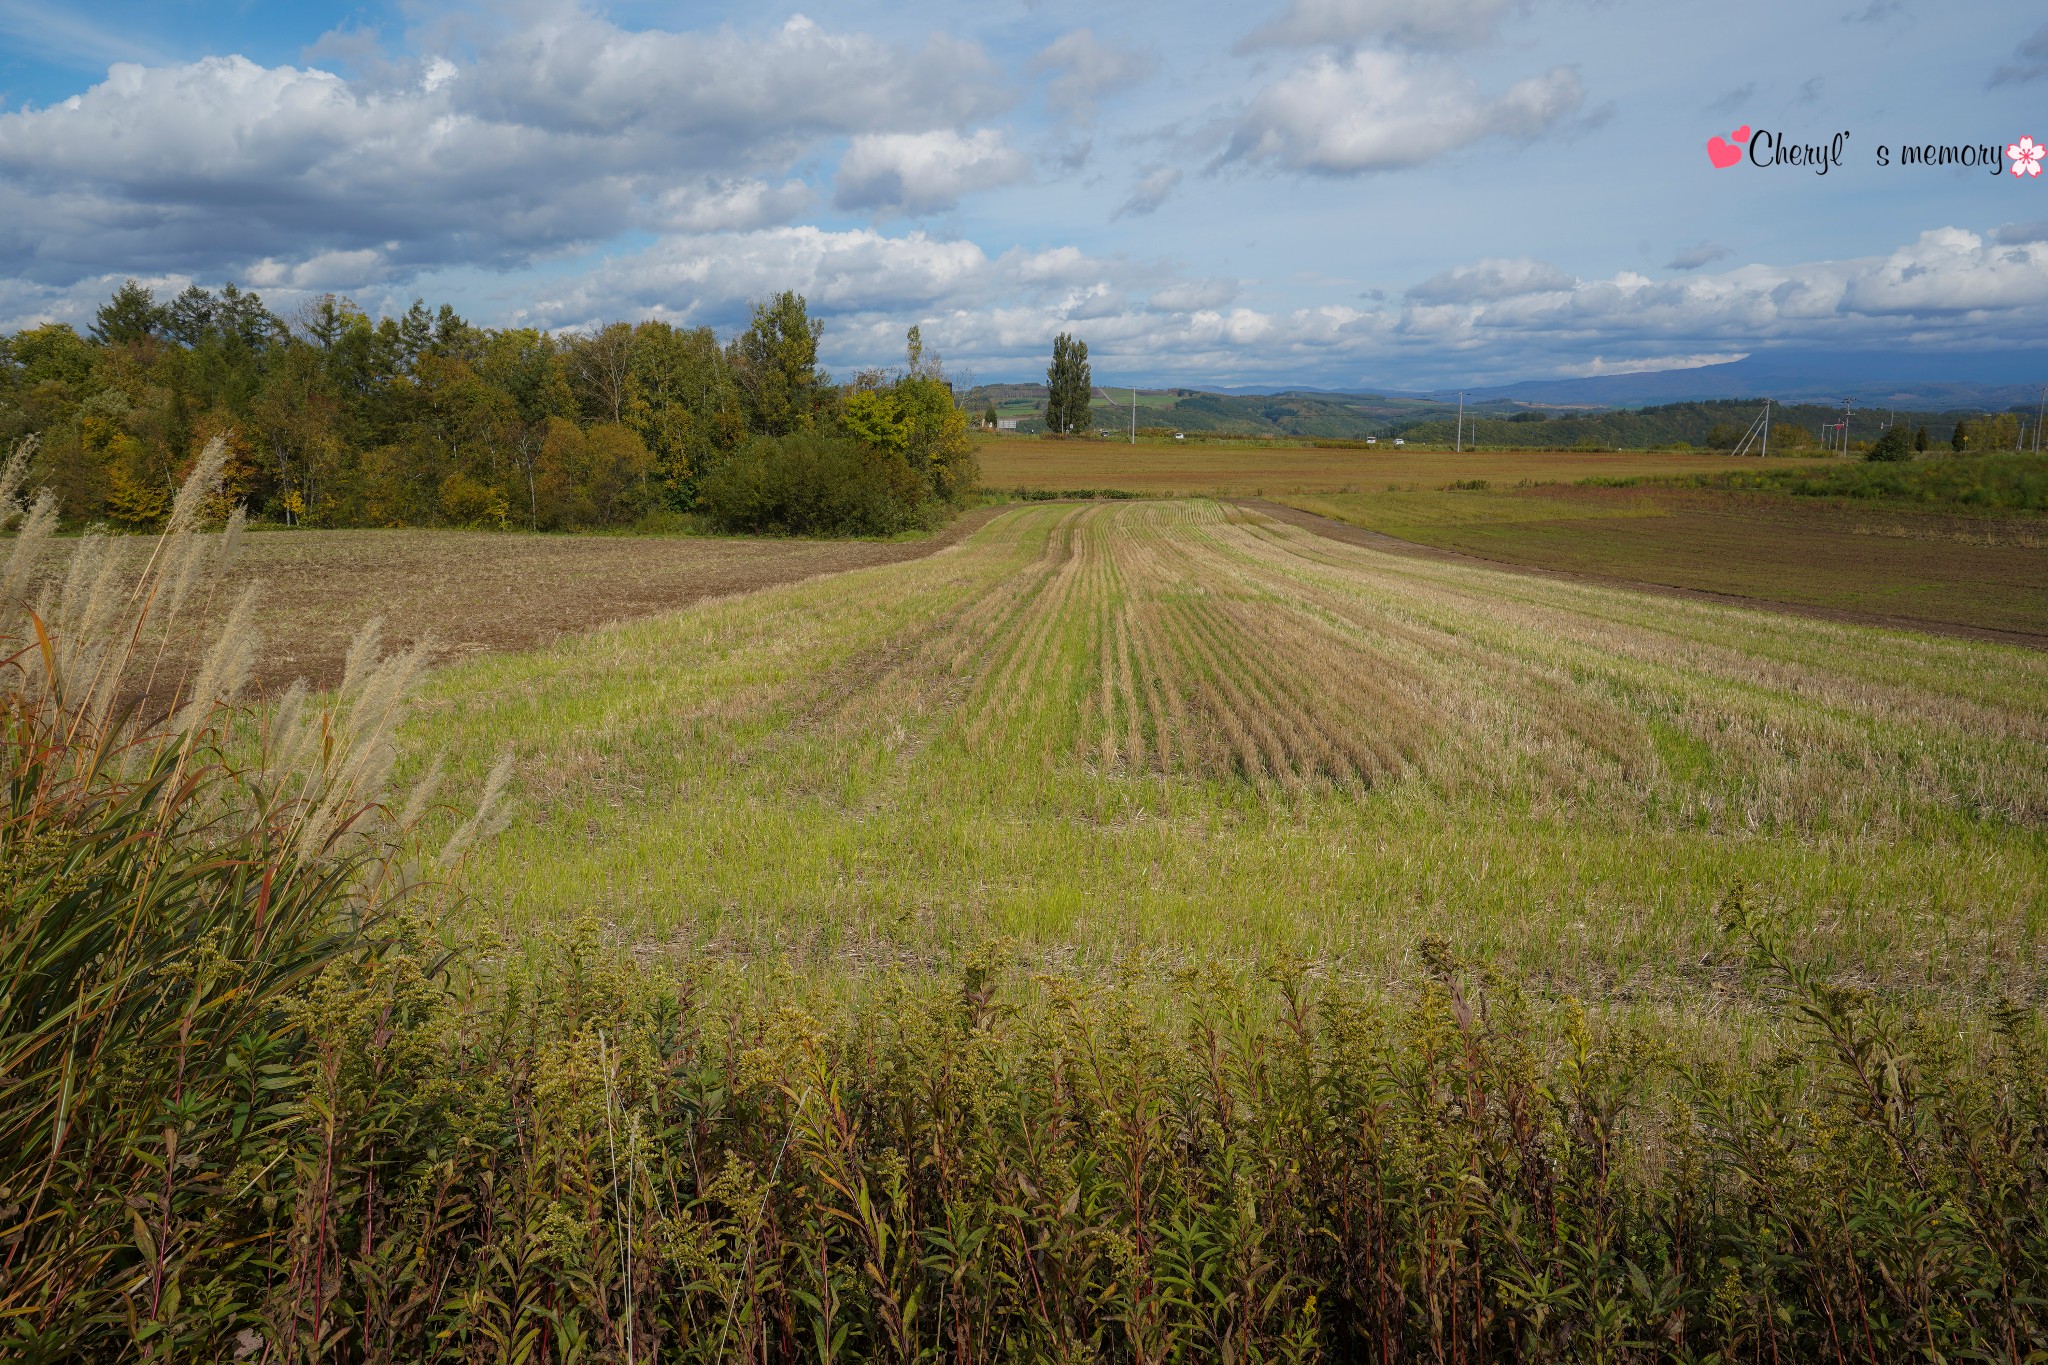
column 1406, row 23
column 564, row 130
column 1501, row 318
column 1492, row 279
column 716, row 206
column 1084, row 68
column 1377, row 111
column 1693, row 257
column 905, row 174
column 1949, row 286
column 1151, row 191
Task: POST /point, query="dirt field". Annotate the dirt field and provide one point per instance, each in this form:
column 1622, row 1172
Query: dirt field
column 472, row 592
column 1256, row 469
column 1851, row 561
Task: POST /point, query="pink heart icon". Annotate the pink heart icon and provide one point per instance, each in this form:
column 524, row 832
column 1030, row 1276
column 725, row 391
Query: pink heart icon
column 1740, row 134
column 1722, row 153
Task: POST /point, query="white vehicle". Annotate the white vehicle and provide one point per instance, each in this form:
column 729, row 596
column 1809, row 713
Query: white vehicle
column 1372, row 440
column 1179, row 436
column 1399, row 442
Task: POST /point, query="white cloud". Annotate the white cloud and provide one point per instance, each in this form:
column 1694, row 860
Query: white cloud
column 1376, row 111
column 563, row 130
column 719, row 206
column 1492, row 279
column 1088, row 69
column 907, row 174
column 1650, row 364
column 1151, row 191
column 1404, row 23
column 1949, row 286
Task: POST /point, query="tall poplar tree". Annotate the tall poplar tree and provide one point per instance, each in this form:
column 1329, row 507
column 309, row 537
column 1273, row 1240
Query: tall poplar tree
column 1069, row 384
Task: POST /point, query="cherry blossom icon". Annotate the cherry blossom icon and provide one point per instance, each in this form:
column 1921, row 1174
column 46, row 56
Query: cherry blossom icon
column 2026, row 156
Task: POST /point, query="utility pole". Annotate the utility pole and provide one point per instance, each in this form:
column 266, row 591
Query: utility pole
column 1458, row 444
column 1134, row 414
column 1767, row 429
column 2040, row 409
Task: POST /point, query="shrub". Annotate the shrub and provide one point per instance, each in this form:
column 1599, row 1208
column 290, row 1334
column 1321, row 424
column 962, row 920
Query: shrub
column 1893, row 446
column 467, row 501
column 813, row 485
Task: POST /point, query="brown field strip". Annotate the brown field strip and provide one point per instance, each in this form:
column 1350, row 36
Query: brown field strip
column 1253, row 469
column 474, row 592
column 1980, row 580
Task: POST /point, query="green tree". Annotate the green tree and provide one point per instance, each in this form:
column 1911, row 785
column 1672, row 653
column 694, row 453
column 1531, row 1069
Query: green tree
column 1068, row 382
column 684, row 404
column 601, row 371
column 129, row 318
column 1892, row 445
column 1920, row 441
column 54, row 354
column 1959, row 439
column 776, row 363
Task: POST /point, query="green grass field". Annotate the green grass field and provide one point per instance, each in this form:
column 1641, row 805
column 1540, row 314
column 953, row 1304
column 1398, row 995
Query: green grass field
column 1143, row 736
column 1131, row 930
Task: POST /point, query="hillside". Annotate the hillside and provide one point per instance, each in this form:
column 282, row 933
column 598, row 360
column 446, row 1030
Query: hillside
column 1491, row 422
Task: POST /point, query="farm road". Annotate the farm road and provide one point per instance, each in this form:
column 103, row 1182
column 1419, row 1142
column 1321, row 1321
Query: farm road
column 1376, row 540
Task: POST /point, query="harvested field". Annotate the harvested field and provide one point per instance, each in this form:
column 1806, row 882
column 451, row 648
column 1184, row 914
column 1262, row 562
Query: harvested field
column 1157, row 734
column 1871, row 562
column 471, row 592
column 1256, row 468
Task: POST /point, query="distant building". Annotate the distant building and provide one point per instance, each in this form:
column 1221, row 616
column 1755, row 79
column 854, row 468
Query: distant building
column 1007, row 423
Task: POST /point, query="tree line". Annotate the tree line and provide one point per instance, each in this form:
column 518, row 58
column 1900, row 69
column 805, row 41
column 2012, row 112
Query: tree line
column 333, row 418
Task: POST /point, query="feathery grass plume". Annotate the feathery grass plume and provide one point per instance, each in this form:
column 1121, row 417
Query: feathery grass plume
column 38, row 528
column 487, row 810
column 13, row 478
column 225, row 670
column 160, row 909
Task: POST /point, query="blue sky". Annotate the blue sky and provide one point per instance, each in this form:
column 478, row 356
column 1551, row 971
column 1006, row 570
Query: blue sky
column 1347, row 193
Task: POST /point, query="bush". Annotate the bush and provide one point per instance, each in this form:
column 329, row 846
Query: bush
column 811, row 485
column 1894, row 445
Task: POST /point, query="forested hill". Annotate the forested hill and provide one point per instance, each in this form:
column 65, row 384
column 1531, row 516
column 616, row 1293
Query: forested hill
column 1338, row 416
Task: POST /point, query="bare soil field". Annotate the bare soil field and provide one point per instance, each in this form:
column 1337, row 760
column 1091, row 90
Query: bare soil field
column 1852, row 561
column 473, row 592
column 1256, row 468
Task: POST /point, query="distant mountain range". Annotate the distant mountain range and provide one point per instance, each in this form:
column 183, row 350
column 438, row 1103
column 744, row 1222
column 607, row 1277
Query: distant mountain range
column 1951, row 382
